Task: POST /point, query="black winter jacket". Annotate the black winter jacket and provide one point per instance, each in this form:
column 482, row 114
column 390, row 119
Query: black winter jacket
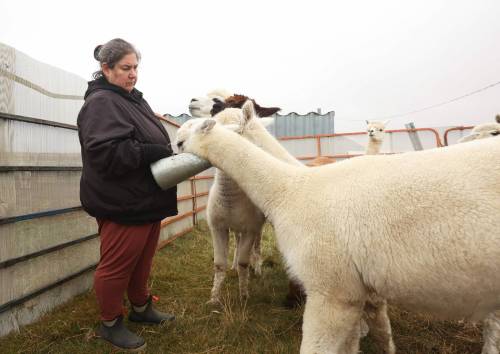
column 120, row 136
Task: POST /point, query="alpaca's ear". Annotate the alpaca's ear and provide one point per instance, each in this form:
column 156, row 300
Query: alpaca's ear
column 497, row 118
column 367, row 121
column 266, row 111
column 248, row 110
column 267, row 122
column 206, row 126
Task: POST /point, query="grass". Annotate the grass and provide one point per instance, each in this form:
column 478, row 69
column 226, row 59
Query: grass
column 182, row 278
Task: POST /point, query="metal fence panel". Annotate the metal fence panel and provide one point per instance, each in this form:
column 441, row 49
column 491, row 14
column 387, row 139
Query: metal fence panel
column 452, row 135
column 25, row 277
column 294, row 124
column 27, row 192
column 34, row 104
column 180, row 119
column 37, row 306
column 34, row 235
column 34, row 89
column 28, row 144
column 291, row 124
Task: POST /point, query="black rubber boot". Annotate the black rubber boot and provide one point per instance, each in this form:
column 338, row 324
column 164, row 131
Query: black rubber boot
column 121, row 337
column 150, row 315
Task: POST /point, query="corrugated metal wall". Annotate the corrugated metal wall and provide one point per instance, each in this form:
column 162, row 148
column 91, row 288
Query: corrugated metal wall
column 47, row 243
column 294, row 124
column 291, row 124
column 180, row 119
column 33, row 89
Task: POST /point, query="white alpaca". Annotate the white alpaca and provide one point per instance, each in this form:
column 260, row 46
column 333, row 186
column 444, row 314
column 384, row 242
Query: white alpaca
column 213, row 103
column 228, row 208
column 481, row 131
column 203, row 107
column 376, row 134
column 254, row 130
column 259, row 135
column 426, row 239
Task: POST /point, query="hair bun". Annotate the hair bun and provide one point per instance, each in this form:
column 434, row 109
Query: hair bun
column 96, row 52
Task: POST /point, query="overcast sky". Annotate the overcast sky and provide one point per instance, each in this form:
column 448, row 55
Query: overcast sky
column 361, row 59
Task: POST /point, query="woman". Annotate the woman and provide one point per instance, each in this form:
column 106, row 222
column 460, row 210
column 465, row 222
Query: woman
column 120, row 137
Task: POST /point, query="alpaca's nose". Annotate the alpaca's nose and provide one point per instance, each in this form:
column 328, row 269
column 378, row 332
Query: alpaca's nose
column 194, row 100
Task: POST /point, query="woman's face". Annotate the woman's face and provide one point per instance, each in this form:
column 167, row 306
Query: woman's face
column 124, row 73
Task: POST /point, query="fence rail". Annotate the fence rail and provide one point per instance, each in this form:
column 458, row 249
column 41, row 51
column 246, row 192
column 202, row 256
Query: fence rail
column 346, row 145
column 449, row 132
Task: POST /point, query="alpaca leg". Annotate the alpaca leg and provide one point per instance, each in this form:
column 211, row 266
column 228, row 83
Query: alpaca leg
column 330, row 326
column 256, row 260
column 379, row 324
column 244, row 251
column 220, row 239
column 296, row 294
column 237, row 237
column 491, row 333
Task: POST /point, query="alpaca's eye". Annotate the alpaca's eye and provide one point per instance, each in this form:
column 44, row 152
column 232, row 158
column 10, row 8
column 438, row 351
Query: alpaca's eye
column 179, row 144
column 495, row 133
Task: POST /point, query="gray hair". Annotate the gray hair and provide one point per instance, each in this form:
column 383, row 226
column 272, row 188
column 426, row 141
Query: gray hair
column 112, row 52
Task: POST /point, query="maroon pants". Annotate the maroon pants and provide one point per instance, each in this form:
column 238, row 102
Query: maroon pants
column 126, row 256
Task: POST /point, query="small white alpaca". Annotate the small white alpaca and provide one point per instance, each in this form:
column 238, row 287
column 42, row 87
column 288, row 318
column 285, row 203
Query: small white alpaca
column 481, row 131
column 229, row 208
column 376, row 134
column 343, row 246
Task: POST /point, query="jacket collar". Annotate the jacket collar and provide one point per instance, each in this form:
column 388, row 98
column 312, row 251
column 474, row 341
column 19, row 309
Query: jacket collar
column 103, row 84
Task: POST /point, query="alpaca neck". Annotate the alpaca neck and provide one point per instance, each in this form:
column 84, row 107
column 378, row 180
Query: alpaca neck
column 229, row 194
column 264, row 179
column 227, row 186
column 373, row 147
column 267, row 142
